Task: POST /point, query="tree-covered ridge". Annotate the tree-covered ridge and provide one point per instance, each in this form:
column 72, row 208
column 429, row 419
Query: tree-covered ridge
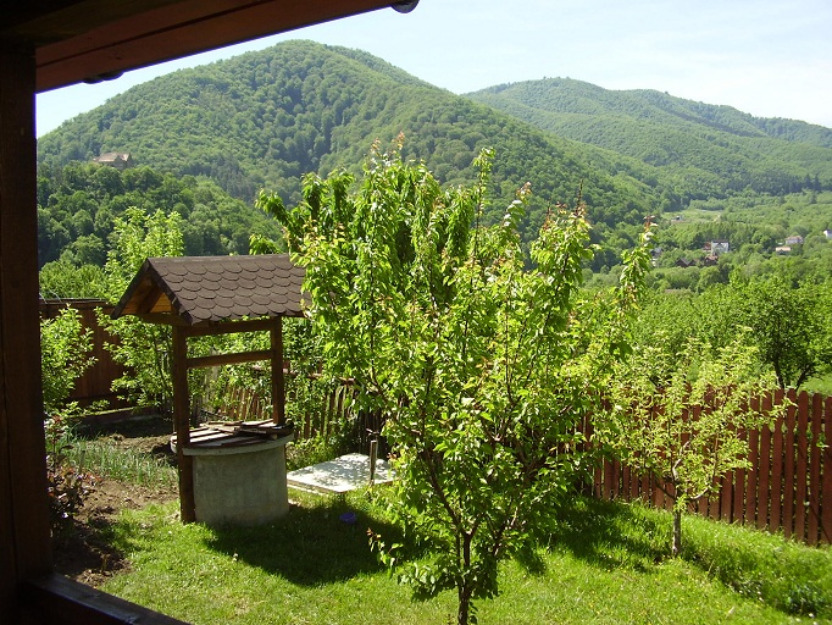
column 264, row 119
column 708, row 150
column 78, row 206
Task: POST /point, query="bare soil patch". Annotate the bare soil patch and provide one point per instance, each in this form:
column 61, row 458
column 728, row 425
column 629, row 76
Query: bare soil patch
column 82, row 551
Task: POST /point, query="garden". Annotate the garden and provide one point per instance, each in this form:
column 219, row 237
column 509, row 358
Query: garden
column 501, row 384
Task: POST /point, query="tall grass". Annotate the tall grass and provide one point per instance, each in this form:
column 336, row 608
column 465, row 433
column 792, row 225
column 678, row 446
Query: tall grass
column 107, row 460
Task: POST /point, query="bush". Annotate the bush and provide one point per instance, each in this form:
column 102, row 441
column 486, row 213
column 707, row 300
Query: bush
column 67, row 485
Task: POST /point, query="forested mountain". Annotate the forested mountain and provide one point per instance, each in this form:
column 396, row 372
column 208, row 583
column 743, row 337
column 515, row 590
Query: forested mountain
column 709, row 151
column 263, row 119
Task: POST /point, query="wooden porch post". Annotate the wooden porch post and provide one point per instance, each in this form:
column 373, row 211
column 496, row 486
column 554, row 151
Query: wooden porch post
column 24, row 510
column 181, row 420
column 278, row 383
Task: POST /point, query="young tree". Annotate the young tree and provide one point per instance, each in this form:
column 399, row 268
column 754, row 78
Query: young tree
column 484, row 369
column 65, row 355
column 792, row 325
column 682, row 416
column 141, row 347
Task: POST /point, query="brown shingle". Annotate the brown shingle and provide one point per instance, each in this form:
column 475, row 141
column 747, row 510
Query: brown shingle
column 215, row 288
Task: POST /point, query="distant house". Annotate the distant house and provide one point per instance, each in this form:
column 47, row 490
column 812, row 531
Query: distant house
column 782, row 250
column 710, row 260
column 684, row 262
column 719, row 247
column 795, row 240
column 119, row 160
column 827, row 233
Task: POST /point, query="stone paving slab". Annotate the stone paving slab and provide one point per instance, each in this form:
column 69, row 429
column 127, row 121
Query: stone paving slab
column 340, row 475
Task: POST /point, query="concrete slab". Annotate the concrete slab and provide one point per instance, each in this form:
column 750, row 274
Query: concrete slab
column 340, row 475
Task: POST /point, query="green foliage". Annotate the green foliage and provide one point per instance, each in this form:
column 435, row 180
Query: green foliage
column 79, row 203
column 264, row 119
column 788, row 322
column 65, row 354
column 67, row 484
column 681, row 415
column 63, row 280
column 483, row 369
column 792, row 325
column 141, row 347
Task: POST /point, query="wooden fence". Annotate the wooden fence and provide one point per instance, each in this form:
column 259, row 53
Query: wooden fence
column 328, row 417
column 787, row 489
column 96, row 382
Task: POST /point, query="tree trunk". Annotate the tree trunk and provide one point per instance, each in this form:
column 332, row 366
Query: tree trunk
column 463, row 612
column 676, row 549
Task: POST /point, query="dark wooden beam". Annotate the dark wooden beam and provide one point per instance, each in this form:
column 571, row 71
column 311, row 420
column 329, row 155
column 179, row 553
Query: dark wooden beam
column 215, row 360
column 181, row 420
column 278, row 382
column 24, row 509
column 56, row 599
column 230, row 327
column 179, row 29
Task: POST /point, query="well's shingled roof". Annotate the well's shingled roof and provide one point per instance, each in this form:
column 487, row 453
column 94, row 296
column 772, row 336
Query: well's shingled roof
column 202, row 289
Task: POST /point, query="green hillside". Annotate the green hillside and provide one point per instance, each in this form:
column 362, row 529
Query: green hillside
column 265, row 118
column 706, row 150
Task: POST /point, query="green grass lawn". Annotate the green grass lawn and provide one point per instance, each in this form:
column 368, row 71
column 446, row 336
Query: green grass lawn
column 603, row 563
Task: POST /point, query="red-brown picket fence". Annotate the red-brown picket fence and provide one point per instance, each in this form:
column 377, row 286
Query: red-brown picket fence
column 787, row 489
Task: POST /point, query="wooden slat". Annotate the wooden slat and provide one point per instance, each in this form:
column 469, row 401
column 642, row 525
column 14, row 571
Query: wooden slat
column 814, row 469
column 751, row 478
column 826, row 518
column 801, row 475
column 776, row 500
column 764, row 472
column 607, row 479
column 738, row 512
column 726, row 497
column 789, row 467
column 625, row 483
column 215, row 360
column 646, row 486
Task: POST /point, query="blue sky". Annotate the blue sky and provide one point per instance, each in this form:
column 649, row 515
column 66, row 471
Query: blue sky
column 769, row 58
